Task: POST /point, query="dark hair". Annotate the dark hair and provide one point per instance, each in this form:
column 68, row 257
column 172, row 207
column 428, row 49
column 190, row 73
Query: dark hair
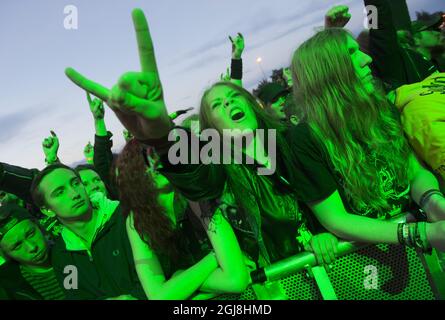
column 86, row 166
column 138, row 195
column 37, row 196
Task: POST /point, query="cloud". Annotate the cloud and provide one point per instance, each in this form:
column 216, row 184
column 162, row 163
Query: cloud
column 13, row 124
column 201, row 62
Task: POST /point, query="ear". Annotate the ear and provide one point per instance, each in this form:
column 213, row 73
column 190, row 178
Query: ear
column 417, row 37
column 48, row 212
column 294, row 120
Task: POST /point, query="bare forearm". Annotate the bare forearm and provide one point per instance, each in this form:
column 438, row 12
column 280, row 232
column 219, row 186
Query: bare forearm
column 186, row 283
column 357, row 228
column 101, row 129
column 423, row 181
column 222, row 282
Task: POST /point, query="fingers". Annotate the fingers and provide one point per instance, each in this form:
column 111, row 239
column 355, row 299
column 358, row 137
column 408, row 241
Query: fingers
column 240, row 35
column 94, row 88
column 324, row 247
column 131, row 81
column 45, row 143
column 89, row 98
column 53, row 133
column 145, row 43
column 230, row 38
column 317, row 251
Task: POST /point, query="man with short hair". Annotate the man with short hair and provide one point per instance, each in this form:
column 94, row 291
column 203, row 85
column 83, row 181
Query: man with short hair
column 93, row 240
column 274, row 97
column 428, row 40
column 28, row 273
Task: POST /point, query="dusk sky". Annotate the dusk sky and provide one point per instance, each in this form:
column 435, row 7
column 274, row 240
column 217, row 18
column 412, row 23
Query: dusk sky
column 192, row 50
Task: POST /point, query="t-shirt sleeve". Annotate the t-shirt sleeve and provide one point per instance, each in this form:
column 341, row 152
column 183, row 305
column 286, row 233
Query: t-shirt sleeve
column 314, row 180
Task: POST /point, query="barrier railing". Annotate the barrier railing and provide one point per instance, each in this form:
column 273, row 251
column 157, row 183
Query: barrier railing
column 360, row 272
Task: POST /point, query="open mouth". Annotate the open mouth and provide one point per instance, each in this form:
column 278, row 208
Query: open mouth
column 236, row 114
column 40, row 255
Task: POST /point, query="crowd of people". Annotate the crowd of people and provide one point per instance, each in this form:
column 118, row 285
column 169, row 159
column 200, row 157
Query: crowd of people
column 359, row 130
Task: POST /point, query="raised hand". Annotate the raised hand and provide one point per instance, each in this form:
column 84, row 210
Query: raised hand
column 137, row 98
column 225, row 77
column 96, row 107
column 337, row 17
column 127, row 135
column 88, row 152
column 237, row 46
column 50, row 147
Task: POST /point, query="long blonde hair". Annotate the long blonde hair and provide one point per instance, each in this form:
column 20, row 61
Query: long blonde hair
column 353, row 124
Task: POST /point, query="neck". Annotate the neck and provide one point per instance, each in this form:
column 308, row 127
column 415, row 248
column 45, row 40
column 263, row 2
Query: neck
column 84, row 227
column 167, row 200
column 255, row 150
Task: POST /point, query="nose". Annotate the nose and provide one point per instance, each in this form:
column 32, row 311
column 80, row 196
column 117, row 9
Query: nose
column 32, row 247
column 74, row 194
column 366, row 60
column 227, row 102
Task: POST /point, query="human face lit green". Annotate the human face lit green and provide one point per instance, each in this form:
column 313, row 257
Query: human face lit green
column 26, row 244
column 361, row 62
column 92, row 182
column 278, row 107
column 65, row 195
column 230, row 110
column 428, row 38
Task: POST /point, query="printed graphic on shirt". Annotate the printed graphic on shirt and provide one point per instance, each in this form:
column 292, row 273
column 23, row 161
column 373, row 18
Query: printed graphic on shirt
column 396, row 195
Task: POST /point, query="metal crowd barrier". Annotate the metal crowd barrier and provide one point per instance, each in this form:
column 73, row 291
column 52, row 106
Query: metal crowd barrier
column 360, row 272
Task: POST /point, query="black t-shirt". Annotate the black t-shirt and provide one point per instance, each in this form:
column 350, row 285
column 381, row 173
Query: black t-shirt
column 318, row 178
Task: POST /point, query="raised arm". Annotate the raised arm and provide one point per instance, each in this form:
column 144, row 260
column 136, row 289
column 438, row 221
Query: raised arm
column 88, row 152
column 337, row 17
column 50, row 147
column 102, row 155
column 17, row 180
column 236, row 67
column 98, row 112
column 137, row 99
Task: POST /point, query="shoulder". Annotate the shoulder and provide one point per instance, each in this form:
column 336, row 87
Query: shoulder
column 302, row 140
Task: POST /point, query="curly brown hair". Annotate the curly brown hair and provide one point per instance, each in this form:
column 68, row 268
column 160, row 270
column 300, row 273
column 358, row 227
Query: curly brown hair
column 138, row 195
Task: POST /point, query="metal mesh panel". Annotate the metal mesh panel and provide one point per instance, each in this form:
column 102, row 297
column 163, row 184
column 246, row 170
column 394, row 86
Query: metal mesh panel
column 300, row 287
column 401, row 275
column 246, row 295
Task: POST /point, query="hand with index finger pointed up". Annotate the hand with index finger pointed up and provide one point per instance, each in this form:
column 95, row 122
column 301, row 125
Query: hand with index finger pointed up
column 137, row 98
column 50, row 147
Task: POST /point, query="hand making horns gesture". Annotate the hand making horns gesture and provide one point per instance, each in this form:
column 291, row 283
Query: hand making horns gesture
column 137, row 98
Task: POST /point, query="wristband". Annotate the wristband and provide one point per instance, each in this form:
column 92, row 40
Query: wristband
column 236, row 69
column 400, row 233
column 414, row 235
column 427, row 195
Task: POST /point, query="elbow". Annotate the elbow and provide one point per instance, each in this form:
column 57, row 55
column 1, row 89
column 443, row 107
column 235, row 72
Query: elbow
column 237, row 282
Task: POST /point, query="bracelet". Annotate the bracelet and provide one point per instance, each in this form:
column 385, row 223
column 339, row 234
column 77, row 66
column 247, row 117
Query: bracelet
column 427, row 195
column 400, row 233
column 414, row 235
column 422, row 239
